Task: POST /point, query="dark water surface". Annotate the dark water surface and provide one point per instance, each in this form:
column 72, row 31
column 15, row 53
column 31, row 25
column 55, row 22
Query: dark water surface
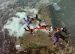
column 68, row 16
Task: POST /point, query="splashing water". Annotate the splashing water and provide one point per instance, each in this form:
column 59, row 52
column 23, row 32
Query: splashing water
column 16, row 25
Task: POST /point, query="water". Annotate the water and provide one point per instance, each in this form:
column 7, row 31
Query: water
column 68, row 16
column 16, row 25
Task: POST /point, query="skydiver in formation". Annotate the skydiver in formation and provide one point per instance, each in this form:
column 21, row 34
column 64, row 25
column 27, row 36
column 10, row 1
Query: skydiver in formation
column 38, row 18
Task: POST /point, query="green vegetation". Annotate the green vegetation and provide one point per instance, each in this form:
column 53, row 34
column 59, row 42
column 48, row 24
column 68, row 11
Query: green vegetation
column 32, row 45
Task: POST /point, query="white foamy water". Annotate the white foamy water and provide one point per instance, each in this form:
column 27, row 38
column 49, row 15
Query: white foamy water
column 16, row 25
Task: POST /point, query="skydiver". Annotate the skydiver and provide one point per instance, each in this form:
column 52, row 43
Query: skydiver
column 65, row 30
column 31, row 30
column 37, row 17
